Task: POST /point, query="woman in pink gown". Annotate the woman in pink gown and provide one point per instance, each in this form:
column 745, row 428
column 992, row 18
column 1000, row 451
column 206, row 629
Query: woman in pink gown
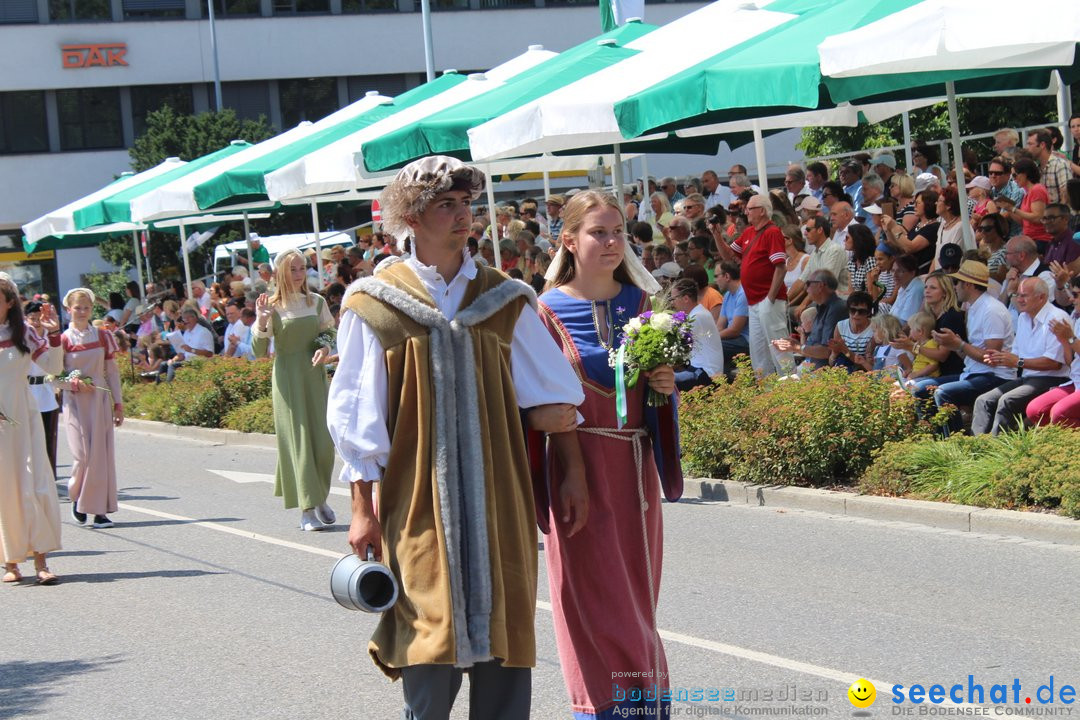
column 605, row 579
column 29, row 510
column 92, row 406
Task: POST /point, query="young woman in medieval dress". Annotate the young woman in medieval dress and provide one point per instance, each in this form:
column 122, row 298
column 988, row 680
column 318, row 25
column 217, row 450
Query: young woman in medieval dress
column 605, row 579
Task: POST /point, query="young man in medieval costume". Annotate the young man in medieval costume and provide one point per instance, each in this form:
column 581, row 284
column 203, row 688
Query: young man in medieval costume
column 439, row 356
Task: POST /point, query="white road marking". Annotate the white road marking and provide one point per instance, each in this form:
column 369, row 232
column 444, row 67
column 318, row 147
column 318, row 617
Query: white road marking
column 840, row 676
column 234, row 531
column 250, row 477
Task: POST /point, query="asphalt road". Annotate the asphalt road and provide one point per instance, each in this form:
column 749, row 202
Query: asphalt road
column 206, row 600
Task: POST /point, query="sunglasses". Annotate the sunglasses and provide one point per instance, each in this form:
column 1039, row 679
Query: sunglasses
column 986, row 228
column 1052, row 217
column 859, row 311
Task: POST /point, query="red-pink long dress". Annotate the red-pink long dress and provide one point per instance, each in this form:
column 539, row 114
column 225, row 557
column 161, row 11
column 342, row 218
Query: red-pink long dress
column 89, row 415
column 605, row 581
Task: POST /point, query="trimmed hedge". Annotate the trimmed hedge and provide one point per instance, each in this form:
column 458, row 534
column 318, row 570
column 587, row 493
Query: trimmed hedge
column 816, row 431
column 205, row 392
column 1036, row 468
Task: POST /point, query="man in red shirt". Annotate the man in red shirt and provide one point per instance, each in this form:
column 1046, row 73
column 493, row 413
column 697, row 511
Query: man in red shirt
column 760, row 251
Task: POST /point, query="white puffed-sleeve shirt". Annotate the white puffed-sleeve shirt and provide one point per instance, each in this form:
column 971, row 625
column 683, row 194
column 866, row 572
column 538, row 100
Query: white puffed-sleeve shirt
column 357, row 406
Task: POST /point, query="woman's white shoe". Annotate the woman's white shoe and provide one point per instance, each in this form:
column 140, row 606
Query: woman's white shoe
column 310, row 523
column 325, row 513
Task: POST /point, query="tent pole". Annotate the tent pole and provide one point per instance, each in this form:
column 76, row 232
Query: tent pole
column 905, row 119
column 247, row 237
column 616, row 173
column 958, row 166
column 547, row 185
column 1064, row 100
column 646, row 203
column 759, row 152
column 187, row 263
column 491, row 213
column 318, row 242
column 138, row 266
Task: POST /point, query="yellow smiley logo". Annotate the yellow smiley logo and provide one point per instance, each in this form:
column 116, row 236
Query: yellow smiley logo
column 862, row 693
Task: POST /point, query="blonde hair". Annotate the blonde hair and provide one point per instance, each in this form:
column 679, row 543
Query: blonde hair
column 889, row 325
column 905, row 184
column 573, row 217
column 923, row 321
column 284, row 289
column 947, row 288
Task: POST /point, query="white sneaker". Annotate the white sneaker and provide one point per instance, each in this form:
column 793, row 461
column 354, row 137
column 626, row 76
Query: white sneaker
column 325, row 514
column 310, row 523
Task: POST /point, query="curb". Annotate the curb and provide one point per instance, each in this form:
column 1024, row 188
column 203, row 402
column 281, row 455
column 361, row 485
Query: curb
column 964, row 518
column 209, row 435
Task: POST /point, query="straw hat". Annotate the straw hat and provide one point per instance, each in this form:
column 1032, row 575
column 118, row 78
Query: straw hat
column 974, row 272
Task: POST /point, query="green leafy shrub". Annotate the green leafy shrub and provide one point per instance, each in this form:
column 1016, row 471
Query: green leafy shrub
column 256, row 416
column 202, row 392
column 818, row 430
column 1036, row 468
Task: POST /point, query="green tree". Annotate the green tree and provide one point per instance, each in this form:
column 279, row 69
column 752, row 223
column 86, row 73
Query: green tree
column 187, row 137
column 192, row 136
column 974, row 116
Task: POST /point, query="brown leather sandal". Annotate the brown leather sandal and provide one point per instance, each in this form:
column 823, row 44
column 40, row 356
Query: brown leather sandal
column 11, row 574
column 46, row 577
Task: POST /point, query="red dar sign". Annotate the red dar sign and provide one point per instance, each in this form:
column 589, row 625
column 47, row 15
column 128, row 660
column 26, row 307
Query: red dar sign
column 95, row 55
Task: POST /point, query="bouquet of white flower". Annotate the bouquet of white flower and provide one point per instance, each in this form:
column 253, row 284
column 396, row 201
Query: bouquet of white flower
column 650, row 340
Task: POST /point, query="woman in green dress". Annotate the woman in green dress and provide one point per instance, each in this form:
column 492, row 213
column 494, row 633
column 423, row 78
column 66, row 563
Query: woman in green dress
column 294, row 317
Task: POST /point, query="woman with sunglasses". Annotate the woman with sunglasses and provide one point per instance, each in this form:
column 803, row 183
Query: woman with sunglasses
column 1031, row 209
column 990, row 233
column 852, row 343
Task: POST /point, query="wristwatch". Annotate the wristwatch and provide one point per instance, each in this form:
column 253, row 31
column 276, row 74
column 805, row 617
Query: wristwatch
column 1020, row 364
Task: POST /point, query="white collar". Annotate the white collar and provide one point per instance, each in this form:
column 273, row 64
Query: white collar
column 1030, row 270
column 429, row 274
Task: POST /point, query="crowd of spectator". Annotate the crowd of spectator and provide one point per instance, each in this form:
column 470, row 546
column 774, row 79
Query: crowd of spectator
column 865, row 266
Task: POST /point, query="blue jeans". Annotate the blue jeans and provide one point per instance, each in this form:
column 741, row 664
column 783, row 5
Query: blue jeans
column 951, row 390
column 691, row 378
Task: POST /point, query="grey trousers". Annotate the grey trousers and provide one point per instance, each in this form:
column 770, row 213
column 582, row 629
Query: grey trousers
column 1003, row 407
column 495, row 692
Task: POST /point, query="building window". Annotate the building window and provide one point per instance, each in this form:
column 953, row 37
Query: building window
column 307, row 99
column 367, row 6
column 248, row 100
column 232, row 8
column 18, row 11
column 387, row 85
column 298, row 7
column 153, row 9
column 146, row 99
column 22, row 122
column 72, row 10
column 90, row 119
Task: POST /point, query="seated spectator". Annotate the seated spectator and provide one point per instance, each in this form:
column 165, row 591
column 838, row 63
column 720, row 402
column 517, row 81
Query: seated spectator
column 909, row 288
column 797, row 259
column 831, row 309
column 662, row 255
column 880, row 282
column 734, row 320
column 194, row 340
column 852, row 343
column 861, row 246
column 886, row 328
column 826, row 255
column 709, row 297
column 920, row 330
column 707, row 356
column 1062, row 404
column 1036, row 351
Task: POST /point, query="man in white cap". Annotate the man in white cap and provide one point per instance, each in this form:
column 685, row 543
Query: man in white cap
column 425, row 401
column 884, row 165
